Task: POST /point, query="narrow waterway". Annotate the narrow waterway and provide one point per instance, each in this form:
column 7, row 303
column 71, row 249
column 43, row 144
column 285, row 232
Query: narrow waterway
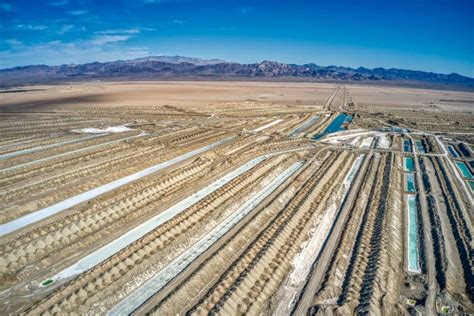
column 412, row 235
column 336, row 125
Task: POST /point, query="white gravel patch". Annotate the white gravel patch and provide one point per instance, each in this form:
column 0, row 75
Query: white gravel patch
column 366, row 143
column 303, row 262
column 110, row 129
column 261, row 128
column 384, row 142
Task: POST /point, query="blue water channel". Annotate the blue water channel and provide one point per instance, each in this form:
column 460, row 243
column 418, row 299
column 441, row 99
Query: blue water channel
column 410, row 182
column 453, row 151
column 335, row 126
column 464, row 169
column 413, row 254
column 409, row 164
column 419, row 146
column 407, row 146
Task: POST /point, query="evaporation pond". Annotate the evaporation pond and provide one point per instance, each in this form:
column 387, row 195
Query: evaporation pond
column 335, row 126
column 453, row 151
column 410, row 182
column 419, row 146
column 408, row 163
column 47, row 282
column 471, row 184
column 413, row 255
column 464, row 169
column 406, row 145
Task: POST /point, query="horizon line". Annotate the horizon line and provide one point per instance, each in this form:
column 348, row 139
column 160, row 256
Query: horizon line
column 234, row 62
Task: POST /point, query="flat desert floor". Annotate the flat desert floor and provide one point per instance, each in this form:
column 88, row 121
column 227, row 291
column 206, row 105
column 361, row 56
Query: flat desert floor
column 252, row 198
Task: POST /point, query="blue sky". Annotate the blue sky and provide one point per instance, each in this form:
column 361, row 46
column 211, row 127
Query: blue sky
column 431, row 35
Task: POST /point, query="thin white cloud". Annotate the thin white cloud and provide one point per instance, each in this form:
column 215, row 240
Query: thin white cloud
column 107, row 39
column 57, row 52
column 135, row 30
column 13, row 42
column 246, row 10
column 178, row 21
column 5, row 6
column 161, row 1
column 77, row 12
column 118, row 31
column 150, row 29
column 59, row 3
column 104, row 45
column 226, row 28
column 65, row 28
column 37, row 27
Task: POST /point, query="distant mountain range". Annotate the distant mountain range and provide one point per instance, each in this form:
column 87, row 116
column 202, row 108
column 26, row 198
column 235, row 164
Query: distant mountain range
column 179, row 67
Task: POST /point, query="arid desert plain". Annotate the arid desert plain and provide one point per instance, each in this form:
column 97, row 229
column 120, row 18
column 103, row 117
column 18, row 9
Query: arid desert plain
column 227, row 198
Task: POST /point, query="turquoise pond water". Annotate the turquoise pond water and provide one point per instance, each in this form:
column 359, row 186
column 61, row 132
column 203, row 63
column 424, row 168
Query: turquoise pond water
column 335, row 126
column 453, row 151
column 419, row 146
column 410, row 182
column 464, row 169
column 413, row 254
column 409, row 164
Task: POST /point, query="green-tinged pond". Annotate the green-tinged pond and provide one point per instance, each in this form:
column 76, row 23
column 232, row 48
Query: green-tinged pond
column 413, row 251
column 409, row 164
column 410, row 182
column 466, row 173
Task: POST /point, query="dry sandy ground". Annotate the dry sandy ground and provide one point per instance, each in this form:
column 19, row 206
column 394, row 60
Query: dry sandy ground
column 404, row 97
column 192, row 93
column 170, row 93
